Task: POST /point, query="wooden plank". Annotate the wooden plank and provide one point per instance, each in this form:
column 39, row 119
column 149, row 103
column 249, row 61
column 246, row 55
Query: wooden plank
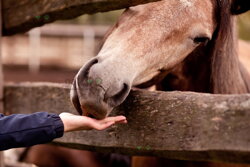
column 20, row 16
column 175, row 125
column 38, row 97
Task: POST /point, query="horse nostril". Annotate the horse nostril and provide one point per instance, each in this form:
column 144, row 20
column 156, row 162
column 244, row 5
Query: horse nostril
column 83, row 73
column 118, row 98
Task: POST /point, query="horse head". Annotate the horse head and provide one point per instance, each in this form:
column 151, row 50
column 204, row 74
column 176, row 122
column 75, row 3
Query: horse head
column 146, row 42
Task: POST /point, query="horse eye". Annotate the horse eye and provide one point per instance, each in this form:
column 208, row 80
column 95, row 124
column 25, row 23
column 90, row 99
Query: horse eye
column 199, row 40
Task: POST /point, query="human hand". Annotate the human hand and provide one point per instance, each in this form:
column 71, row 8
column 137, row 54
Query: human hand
column 75, row 122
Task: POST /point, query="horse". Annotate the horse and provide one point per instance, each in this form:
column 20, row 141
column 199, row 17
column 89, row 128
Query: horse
column 185, row 45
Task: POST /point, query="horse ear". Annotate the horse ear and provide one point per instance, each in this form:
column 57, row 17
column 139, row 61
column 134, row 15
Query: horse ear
column 240, row 6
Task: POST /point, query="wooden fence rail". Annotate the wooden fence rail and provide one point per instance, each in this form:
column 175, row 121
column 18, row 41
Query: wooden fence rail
column 20, row 16
column 176, row 125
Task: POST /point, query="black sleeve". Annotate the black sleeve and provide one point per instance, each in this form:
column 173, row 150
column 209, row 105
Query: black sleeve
column 23, row 130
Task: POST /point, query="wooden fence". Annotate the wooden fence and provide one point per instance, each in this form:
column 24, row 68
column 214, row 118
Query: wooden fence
column 176, row 125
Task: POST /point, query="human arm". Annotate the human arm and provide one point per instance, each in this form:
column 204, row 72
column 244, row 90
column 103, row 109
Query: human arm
column 23, row 130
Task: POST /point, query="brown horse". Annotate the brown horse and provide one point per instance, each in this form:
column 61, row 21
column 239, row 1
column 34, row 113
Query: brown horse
column 188, row 45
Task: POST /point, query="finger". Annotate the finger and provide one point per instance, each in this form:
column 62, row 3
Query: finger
column 105, row 120
column 115, row 119
column 122, row 122
column 120, row 118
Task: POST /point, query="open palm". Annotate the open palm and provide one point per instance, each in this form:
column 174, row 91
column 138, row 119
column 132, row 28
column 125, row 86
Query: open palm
column 75, row 122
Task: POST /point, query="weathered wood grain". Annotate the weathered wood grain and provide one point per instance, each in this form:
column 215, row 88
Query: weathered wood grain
column 176, row 125
column 20, row 16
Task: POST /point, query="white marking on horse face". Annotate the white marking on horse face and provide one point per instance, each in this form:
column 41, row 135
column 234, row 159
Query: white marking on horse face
column 156, row 36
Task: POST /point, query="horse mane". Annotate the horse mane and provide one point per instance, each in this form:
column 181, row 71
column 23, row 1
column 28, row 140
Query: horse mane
column 227, row 73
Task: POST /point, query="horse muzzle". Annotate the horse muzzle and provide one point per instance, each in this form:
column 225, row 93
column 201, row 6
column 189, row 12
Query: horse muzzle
column 97, row 89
